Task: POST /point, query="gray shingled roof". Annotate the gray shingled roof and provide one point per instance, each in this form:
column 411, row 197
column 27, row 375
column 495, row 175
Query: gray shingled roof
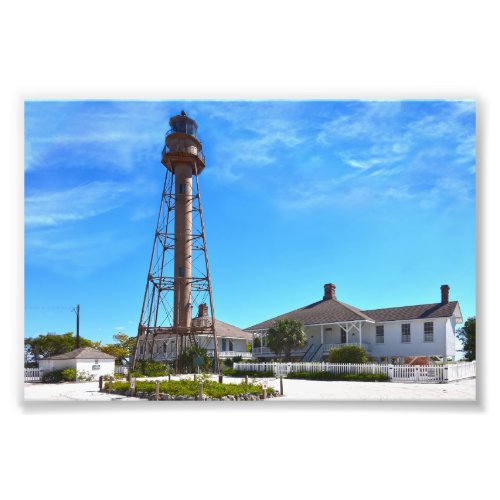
column 83, row 353
column 321, row 312
column 334, row 311
column 226, row 330
column 422, row 311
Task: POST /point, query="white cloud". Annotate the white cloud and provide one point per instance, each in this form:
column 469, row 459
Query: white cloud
column 80, row 202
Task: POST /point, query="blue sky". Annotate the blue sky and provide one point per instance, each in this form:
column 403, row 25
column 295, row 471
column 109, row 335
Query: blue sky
column 377, row 197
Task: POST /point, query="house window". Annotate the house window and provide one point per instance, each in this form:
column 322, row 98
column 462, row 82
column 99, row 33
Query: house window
column 380, row 334
column 182, row 188
column 405, row 333
column 224, row 344
column 429, row 331
column 343, row 336
column 230, row 342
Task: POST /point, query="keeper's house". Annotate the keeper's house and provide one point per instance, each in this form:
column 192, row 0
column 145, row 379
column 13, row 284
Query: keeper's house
column 389, row 334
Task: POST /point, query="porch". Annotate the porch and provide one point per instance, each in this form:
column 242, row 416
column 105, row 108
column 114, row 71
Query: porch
column 320, row 340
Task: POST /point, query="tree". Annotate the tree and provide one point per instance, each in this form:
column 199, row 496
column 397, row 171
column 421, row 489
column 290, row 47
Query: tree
column 467, row 335
column 122, row 350
column 285, row 336
column 348, row 354
column 52, row 344
column 187, row 363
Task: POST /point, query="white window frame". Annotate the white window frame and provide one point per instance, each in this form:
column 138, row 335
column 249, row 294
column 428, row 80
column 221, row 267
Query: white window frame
column 378, row 335
column 429, row 335
column 406, row 336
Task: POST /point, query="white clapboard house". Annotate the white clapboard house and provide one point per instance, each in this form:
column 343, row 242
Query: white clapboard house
column 388, row 334
column 231, row 341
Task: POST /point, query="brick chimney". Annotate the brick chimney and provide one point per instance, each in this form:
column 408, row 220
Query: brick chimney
column 445, row 293
column 329, row 291
column 202, row 311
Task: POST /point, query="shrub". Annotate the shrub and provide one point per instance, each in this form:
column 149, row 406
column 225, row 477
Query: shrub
column 359, row 377
column 69, row 374
column 348, row 354
column 242, row 373
column 151, row 368
column 84, row 376
column 189, row 388
column 52, row 377
column 187, row 359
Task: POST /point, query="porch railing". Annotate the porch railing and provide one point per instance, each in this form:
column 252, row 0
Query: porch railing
column 327, row 347
column 231, row 354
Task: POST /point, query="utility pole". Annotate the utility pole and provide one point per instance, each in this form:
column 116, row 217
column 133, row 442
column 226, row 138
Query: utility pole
column 77, row 312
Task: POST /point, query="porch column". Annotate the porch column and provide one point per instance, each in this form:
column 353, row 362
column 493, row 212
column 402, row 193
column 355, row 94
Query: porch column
column 322, row 333
column 360, row 334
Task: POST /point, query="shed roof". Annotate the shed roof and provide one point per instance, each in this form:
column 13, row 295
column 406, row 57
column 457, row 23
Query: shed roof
column 83, row 353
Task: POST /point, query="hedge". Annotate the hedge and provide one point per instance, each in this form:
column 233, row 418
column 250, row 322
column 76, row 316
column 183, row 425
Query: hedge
column 189, row 388
column 230, row 372
column 359, row 377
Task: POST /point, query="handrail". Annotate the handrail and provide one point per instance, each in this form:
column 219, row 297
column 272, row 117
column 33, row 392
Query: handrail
column 199, row 153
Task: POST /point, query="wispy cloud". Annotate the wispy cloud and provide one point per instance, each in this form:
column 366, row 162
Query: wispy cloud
column 73, row 252
column 77, row 203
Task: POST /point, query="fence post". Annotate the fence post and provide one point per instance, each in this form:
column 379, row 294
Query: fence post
column 110, row 387
column 101, row 379
column 221, row 377
column 132, row 386
column 200, row 390
column 157, row 390
column 445, row 374
column 281, row 386
column 391, row 372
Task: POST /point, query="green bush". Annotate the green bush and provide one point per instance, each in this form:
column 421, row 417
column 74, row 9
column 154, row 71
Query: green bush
column 150, row 368
column 187, row 359
column 348, row 354
column 69, row 374
column 241, row 373
column 52, row 377
column 189, row 388
column 359, row 377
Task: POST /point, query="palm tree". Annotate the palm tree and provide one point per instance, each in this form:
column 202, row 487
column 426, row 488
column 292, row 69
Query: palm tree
column 285, row 336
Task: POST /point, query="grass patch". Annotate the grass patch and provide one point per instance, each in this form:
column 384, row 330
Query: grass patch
column 356, row 377
column 189, row 388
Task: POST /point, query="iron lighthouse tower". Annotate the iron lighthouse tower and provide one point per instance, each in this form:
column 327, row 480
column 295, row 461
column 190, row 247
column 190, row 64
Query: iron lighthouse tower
column 178, row 281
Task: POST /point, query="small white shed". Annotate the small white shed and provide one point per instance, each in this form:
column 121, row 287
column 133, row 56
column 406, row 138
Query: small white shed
column 84, row 360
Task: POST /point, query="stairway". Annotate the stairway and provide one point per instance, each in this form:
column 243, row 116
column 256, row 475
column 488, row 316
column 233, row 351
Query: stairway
column 313, row 353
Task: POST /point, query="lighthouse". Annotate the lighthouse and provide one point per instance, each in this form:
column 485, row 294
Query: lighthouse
column 178, row 281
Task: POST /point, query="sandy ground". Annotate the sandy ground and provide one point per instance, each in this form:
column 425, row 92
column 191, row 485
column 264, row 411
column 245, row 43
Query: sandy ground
column 294, row 390
column 81, row 391
column 310, row 390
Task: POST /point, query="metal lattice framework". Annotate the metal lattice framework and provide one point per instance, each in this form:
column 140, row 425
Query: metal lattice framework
column 159, row 326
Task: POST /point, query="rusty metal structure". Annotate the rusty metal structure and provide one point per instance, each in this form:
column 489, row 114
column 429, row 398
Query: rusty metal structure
column 178, row 280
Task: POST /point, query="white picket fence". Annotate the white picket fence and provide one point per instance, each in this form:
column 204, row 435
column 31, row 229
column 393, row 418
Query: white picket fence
column 397, row 373
column 32, row 374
